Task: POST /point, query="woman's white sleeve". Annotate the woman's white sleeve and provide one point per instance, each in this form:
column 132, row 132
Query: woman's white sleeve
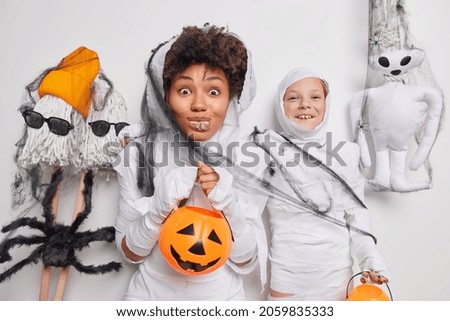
column 244, row 216
column 129, row 193
column 140, row 218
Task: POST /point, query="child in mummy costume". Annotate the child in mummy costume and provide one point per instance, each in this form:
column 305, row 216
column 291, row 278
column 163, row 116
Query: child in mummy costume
column 198, row 84
column 323, row 218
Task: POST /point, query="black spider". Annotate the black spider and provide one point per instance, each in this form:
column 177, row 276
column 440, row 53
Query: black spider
column 375, row 41
column 362, row 125
column 58, row 242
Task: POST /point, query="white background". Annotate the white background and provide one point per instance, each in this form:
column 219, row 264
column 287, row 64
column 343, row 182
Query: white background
column 330, row 36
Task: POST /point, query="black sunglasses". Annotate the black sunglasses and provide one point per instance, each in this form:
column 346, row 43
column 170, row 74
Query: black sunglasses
column 101, row 127
column 56, row 125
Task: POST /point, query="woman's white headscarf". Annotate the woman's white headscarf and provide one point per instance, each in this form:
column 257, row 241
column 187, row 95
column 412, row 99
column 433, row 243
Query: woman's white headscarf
column 157, row 106
column 292, row 129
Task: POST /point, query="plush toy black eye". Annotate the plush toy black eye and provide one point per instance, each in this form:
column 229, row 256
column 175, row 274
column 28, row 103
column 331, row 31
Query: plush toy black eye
column 406, row 60
column 214, row 237
column 188, row 230
column 383, row 61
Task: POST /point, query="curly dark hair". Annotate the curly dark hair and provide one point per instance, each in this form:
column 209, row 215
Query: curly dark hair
column 212, row 46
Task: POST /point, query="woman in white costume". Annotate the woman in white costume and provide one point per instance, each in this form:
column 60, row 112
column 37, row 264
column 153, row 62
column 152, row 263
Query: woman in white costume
column 314, row 234
column 198, row 84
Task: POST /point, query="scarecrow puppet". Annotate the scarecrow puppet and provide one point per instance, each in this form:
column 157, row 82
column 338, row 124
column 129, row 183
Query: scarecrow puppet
column 72, row 116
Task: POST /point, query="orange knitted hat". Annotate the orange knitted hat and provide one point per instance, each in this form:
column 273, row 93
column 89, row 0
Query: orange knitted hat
column 72, row 79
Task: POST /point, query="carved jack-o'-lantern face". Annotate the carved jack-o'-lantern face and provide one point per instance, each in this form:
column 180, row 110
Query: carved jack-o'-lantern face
column 195, row 240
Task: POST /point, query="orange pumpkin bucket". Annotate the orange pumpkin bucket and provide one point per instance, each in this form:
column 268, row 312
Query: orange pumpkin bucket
column 195, row 241
column 367, row 292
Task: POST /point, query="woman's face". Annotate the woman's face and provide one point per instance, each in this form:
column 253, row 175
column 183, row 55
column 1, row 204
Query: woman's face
column 199, row 98
column 304, row 102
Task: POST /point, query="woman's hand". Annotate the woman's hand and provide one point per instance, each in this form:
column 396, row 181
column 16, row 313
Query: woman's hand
column 207, row 177
column 129, row 133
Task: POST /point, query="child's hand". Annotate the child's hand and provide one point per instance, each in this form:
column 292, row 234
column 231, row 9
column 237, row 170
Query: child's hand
column 374, row 277
column 207, row 177
column 129, row 133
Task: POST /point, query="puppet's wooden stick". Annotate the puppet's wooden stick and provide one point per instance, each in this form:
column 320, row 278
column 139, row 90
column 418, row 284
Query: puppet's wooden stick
column 64, row 274
column 45, row 282
column 46, row 271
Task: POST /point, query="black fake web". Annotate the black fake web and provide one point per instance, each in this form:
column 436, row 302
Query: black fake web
column 243, row 178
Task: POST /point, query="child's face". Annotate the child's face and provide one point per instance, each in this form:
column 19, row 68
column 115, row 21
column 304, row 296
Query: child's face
column 198, row 98
column 304, row 102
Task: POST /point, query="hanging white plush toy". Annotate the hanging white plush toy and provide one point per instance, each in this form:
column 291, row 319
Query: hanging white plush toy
column 400, row 102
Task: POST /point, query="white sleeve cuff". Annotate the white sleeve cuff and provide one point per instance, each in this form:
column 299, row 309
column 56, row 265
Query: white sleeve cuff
column 222, row 194
column 142, row 236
